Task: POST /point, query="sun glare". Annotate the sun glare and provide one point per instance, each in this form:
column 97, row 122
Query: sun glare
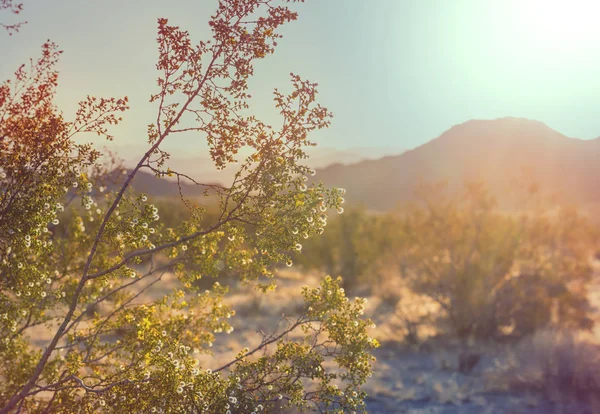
column 561, row 25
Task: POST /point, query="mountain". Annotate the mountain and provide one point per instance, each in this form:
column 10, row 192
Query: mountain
column 321, row 157
column 201, row 167
column 492, row 150
column 146, row 182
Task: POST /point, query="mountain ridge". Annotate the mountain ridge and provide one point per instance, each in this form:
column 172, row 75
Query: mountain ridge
column 493, row 150
column 490, row 150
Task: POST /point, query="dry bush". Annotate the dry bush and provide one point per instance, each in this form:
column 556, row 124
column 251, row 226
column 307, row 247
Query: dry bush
column 412, row 315
column 563, row 365
column 489, row 270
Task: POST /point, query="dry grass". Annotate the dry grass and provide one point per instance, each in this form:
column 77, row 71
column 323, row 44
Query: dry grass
column 563, row 365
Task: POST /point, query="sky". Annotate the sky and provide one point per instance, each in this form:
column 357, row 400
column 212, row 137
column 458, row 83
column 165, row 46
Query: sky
column 395, row 73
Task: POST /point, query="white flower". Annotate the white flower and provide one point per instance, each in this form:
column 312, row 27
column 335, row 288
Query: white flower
column 144, row 198
column 303, row 187
column 298, row 246
column 184, row 247
column 289, row 263
column 340, row 210
column 55, row 222
column 75, row 184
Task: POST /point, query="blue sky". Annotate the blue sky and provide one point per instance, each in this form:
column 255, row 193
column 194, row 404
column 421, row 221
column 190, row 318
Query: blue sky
column 395, row 73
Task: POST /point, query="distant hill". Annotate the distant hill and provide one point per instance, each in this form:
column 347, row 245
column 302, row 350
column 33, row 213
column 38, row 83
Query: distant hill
column 146, row 182
column 492, row 150
column 197, row 164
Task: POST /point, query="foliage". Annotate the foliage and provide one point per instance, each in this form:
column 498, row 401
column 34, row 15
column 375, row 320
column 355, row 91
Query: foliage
column 489, row 270
column 352, row 247
column 14, row 8
column 77, row 255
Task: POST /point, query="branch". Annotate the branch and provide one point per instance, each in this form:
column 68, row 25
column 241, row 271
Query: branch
column 267, row 341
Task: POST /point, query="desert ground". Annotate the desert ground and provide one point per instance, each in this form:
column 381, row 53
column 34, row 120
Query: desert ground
column 423, row 378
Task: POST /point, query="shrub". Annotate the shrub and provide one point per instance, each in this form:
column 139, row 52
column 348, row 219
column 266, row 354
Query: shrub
column 352, row 247
column 82, row 277
column 489, row 270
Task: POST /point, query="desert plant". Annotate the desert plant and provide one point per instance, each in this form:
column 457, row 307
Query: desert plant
column 489, row 270
column 61, row 273
column 353, row 247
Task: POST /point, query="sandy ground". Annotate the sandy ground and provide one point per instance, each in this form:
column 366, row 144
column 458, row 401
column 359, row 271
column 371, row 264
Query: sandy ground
column 406, row 380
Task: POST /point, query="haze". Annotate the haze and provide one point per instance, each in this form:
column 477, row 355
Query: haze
column 395, row 73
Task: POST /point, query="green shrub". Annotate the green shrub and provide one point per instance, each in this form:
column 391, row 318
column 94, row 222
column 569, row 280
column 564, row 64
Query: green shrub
column 76, row 255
